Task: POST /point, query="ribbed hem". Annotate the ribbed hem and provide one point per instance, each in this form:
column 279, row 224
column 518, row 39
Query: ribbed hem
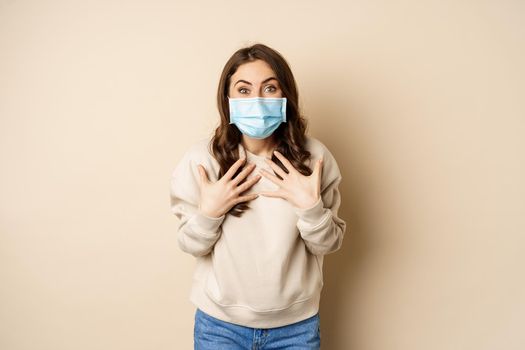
column 249, row 318
column 209, row 224
column 312, row 215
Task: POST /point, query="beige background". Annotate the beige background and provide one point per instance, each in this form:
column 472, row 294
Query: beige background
column 421, row 102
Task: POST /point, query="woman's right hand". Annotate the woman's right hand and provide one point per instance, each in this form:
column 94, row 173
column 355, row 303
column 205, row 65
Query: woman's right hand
column 219, row 197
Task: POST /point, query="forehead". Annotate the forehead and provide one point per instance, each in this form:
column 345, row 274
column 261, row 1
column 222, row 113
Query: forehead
column 254, row 71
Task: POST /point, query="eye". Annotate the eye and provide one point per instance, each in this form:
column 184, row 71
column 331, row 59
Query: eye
column 270, row 88
column 243, row 90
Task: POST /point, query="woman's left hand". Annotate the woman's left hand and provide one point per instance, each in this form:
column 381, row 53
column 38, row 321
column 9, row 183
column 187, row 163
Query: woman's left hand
column 300, row 190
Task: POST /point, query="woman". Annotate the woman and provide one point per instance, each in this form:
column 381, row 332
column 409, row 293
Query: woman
column 257, row 205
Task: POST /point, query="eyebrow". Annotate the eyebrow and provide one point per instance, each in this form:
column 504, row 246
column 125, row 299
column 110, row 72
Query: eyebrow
column 247, row 82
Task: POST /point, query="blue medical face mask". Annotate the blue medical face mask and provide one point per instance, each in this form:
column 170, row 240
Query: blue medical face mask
column 257, row 117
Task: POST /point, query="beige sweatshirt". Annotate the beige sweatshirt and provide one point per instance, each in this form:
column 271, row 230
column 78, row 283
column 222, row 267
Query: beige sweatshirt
column 265, row 268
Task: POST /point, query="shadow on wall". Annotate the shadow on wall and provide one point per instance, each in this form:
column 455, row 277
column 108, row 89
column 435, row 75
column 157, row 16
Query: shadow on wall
column 343, row 270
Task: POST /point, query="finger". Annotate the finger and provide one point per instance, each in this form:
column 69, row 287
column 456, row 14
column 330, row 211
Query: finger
column 203, row 174
column 271, row 177
column 319, row 172
column 276, row 168
column 319, row 167
column 245, row 198
column 247, row 184
column 285, row 161
column 249, row 168
column 274, row 194
column 233, row 169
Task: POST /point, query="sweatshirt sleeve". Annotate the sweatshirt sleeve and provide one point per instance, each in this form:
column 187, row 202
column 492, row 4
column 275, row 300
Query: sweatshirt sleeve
column 197, row 233
column 320, row 227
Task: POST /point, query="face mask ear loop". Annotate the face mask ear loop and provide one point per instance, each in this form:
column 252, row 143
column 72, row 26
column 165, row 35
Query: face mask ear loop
column 283, row 109
column 230, row 108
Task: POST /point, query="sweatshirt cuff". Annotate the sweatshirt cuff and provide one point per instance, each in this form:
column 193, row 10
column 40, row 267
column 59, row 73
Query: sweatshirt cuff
column 313, row 214
column 208, row 223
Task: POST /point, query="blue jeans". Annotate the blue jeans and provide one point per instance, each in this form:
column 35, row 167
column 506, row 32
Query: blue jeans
column 211, row 333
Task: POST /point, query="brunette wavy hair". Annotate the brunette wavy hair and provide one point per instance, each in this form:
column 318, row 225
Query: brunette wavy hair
column 290, row 136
